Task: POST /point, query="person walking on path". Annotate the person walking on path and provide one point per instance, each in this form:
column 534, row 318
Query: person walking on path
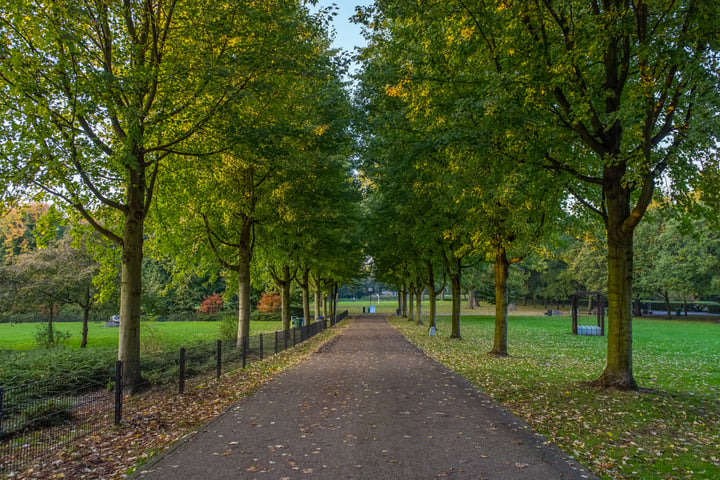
column 367, row 405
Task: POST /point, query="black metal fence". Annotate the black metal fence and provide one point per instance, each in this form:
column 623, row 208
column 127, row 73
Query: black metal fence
column 35, row 418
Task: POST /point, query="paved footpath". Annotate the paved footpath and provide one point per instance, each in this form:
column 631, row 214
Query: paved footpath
column 367, row 405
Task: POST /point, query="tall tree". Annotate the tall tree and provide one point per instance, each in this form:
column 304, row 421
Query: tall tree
column 630, row 93
column 99, row 97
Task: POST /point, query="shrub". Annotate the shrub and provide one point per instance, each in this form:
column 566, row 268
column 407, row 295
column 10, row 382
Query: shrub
column 49, row 412
column 228, row 326
column 270, row 302
column 260, row 316
column 42, row 336
column 211, row 304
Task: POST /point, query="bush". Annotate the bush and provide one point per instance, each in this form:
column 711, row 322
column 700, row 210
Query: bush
column 211, row 304
column 49, row 412
column 228, row 326
column 260, row 316
column 270, row 302
column 60, row 370
column 42, row 336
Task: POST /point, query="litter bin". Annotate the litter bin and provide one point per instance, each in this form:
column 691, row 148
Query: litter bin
column 296, row 322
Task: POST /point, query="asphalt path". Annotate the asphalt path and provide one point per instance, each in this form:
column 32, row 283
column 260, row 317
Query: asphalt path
column 367, row 405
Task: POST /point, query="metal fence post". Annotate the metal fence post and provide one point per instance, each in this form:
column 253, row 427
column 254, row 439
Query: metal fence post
column 219, row 358
column 285, row 337
column 294, row 339
column 276, row 341
column 261, row 346
column 118, row 391
column 181, row 388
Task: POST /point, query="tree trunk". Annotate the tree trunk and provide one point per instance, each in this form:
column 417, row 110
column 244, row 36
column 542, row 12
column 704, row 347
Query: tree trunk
column 411, row 303
column 638, row 311
column 86, row 318
column 432, row 294
column 336, row 297
column 668, row 307
column 243, row 271
column 455, row 279
column 618, row 371
column 471, row 299
column 502, row 267
column 131, row 289
column 317, row 294
column 285, row 285
column 86, row 306
column 405, row 300
column 51, row 327
column 317, row 300
column 418, row 299
column 325, row 304
column 305, row 286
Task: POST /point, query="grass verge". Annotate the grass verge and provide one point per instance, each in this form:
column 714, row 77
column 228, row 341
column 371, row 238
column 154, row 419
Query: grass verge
column 669, row 430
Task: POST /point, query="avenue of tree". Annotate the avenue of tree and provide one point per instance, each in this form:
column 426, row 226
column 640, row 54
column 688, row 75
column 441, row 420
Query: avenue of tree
column 488, row 122
column 537, row 147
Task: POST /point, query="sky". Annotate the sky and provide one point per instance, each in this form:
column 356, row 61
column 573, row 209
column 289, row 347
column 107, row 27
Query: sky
column 347, row 34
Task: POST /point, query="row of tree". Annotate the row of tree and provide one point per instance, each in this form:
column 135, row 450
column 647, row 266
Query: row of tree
column 211, row 133
column 492, row 128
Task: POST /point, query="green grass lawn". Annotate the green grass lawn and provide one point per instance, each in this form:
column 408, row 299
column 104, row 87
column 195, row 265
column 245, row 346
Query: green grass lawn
column 22, row 362
column 671, row 429
column 21, row 336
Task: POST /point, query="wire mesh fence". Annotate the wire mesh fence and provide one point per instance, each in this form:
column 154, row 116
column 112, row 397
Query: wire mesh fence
column 33, row 421
column 37, row 418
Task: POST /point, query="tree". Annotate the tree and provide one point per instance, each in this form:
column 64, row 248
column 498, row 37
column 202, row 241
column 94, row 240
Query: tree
column 630, row 94
column 98, row 99
column 676, row 257
column 471, row 180
column 50, row 277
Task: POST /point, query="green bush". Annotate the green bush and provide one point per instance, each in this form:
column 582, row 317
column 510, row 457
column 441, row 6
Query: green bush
column 42, row 336
column 49, row 412
column 259, row 316
column 228, row 326
column 61, row 369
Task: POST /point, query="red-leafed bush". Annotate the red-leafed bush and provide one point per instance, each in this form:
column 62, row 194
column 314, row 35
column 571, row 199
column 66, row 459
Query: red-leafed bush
column 270, row 302
column 211, row 304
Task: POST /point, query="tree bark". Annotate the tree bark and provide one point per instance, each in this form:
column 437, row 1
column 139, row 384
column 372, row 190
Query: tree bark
column 455, row 279
column 317, row 294
column 471, row 299
column 305, row 287
column 411, row 303
column 432, row 293
column 405, row 301
column 285, row 295
column 243, row 272
column 86, row 317
column 618, row 370
column 51, row 327
column 418, row 299
column 131, row 288
column 502, row 267
column 668, row 307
